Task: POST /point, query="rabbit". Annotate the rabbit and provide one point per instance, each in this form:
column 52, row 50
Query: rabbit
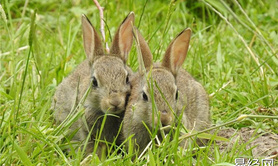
column 179, row 88
column 108, row 78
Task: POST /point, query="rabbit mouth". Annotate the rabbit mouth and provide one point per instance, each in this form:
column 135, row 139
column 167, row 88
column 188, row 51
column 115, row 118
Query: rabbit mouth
column 166, row 128
column 115, row 110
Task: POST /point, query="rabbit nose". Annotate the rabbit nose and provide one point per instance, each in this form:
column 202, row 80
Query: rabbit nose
column 164, row 112
column 114, row 102
column 166, row 118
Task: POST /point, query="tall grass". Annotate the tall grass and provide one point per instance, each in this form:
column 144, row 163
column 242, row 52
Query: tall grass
column 234, row 43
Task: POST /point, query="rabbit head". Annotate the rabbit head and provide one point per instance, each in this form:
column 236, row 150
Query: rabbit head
column 163, row 76
column 173, row 90
column 110, row 76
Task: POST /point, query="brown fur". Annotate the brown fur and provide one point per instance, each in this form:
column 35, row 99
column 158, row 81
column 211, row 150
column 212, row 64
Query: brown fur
column 112, row 90
column 169, row 77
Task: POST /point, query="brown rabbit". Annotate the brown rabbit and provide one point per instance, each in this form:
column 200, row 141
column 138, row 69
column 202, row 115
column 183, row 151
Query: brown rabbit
column 177, row 86
column 107, row 76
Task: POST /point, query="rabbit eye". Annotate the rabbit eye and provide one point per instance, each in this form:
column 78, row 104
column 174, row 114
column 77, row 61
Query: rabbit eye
column 145, row 97
column 177, row 95
column 127, row 79
column 94, row 81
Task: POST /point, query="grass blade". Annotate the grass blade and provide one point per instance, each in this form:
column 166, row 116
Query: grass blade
column 22, row 155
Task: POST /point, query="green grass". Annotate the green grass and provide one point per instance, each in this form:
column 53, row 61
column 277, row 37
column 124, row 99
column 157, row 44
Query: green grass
column 231, row 44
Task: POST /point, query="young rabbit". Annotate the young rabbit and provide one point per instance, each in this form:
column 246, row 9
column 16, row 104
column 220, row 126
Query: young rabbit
column 177, row 86
column 107, row 76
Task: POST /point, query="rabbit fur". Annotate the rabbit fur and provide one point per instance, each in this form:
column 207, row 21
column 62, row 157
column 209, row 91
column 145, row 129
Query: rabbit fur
column 179, row 88
column 107, row 76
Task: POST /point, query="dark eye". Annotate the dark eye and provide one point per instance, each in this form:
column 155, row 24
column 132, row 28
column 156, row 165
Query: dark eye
column 177, row 95
column 94, row 81
column 145, row 97
column 127, row 79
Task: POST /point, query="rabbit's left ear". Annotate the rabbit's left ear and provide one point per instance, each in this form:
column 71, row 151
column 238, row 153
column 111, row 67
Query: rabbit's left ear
column 122, row 41
column 177, row 51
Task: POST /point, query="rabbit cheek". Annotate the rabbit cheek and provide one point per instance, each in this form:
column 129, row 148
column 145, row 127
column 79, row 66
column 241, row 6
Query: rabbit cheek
column 142, row 113
column 186, row 122
column 155, row 122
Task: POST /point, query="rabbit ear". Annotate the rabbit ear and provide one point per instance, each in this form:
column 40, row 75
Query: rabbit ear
column 122, row 41
column 91, row 40
column 145, row 58
column 177, row 51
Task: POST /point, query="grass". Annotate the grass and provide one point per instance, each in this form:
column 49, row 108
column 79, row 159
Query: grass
column 41, row 44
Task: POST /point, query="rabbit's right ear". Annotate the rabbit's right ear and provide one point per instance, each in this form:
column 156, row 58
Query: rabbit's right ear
column 177, row 51
column 91, row 40
column 145, row 58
